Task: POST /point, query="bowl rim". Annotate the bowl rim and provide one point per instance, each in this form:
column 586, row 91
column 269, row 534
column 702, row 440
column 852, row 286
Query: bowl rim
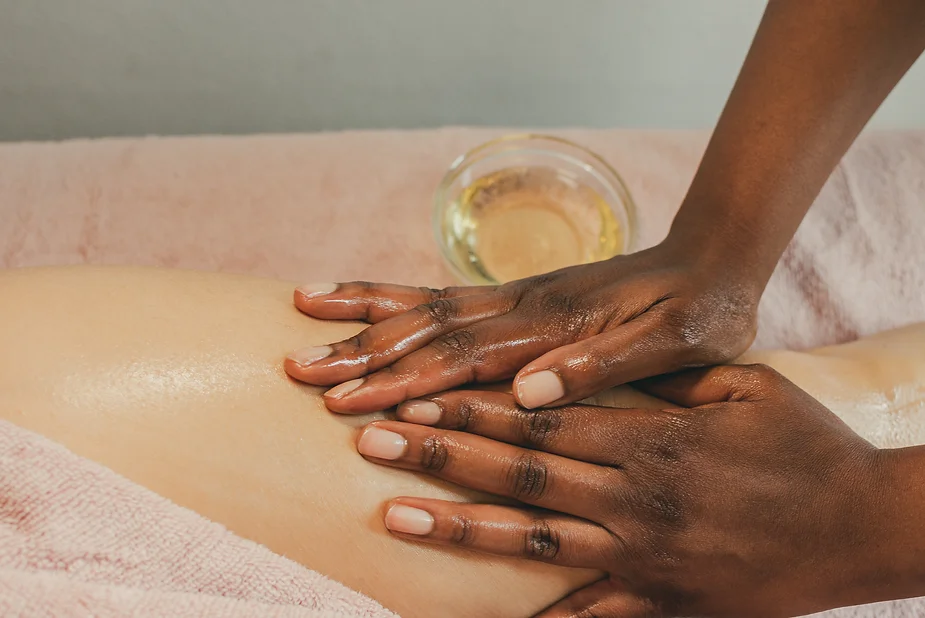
column 610, row 175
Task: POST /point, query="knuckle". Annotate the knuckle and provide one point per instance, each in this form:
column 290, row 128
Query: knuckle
column 663, row 457
column 664, row 451
column 542, row 541
column 670, row 443
column 435, row 453
column 465, row 414
column 558, row 303
column 358, row 348
column 462, row 530
column 619, row 546
column 540, row 281
column 527, row 477
column 433, row 293
column 458, row 343
column 460, row 411
column 439, row 311
column 568, row 308
column 538, row 428
column 663, row 506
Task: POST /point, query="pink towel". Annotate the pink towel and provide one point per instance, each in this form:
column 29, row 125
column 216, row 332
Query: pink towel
column 357, row 205
column 857, row 264
column 76, row 539
column 339, row 207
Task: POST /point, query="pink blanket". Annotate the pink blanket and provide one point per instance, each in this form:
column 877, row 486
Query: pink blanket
column 76, row 539
column 339, row 207
column 357, row 206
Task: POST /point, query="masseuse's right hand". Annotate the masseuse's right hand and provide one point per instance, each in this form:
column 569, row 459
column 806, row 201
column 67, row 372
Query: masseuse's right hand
column 579, row 330
column 565, row 335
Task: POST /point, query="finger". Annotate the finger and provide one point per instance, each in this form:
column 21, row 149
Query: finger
column 531, row 477
column 700, row 387
column 588, row 433
column 504, row 531
column 487, row 351
column 385, row 342
column 603, row 598
column 635, row 350
column 370, row 302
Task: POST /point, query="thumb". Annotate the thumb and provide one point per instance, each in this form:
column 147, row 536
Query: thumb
column 632, row 351
column 700, row 387
column 602, row 598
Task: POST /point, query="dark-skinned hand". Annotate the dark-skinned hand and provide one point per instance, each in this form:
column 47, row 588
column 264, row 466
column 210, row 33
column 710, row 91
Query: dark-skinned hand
column 565, row 335
column 749, row 498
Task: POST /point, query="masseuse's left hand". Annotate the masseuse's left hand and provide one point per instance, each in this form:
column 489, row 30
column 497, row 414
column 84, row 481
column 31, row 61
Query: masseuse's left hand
column 748, row 499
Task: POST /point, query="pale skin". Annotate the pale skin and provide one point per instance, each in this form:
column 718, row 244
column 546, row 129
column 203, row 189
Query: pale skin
column 175, row 380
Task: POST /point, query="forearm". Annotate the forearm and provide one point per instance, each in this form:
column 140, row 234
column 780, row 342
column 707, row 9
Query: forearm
column 816, row 72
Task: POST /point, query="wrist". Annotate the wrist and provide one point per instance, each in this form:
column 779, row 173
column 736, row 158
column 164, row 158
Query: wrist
column 715, row 256
column 724, row 235
column 891, row 564
column 901, row 523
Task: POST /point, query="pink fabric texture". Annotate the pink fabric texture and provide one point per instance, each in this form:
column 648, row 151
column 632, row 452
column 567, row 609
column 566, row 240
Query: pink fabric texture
column 357, row 205
column 76, row 539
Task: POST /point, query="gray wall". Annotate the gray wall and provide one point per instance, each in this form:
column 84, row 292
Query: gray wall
column 115, row 67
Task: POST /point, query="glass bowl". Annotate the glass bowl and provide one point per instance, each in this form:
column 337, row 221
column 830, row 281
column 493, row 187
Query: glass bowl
column 523, row 205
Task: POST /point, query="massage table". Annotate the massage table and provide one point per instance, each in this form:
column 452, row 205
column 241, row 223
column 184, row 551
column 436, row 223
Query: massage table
column 357, row 205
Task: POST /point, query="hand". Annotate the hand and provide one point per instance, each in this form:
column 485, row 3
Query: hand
column 566, row 335
column 750, row 500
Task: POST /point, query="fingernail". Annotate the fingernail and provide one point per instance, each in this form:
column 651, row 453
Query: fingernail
column 307, row 356
column 342, row 389
column 381, row 444
column 310, row 290
column 539, row 389
column 401, row 518
column 420, row 412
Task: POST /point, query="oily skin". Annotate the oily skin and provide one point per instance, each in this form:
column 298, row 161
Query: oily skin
column 743, row 497
column 173, row 379
column 566, row 335
column 149, row 373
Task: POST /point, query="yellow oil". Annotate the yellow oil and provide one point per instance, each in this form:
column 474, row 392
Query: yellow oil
column 524, row 221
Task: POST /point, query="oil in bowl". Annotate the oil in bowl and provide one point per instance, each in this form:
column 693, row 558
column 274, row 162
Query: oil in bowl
column 526, row 205
column 519, row 222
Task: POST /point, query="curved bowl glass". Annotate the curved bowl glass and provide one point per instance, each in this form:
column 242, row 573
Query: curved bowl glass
column 526, row 204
